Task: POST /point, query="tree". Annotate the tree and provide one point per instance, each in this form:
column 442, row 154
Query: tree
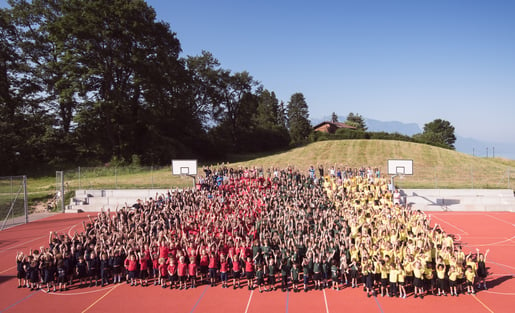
column 334, row 118
column 357, row 121
column 438, row 132
column 270, row 127
column 298, row 119
column 206, row 85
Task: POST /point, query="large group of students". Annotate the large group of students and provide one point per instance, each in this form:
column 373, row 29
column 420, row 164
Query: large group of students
column 265, row 229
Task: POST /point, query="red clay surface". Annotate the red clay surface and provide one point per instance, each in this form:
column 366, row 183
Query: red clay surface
column 483, row 230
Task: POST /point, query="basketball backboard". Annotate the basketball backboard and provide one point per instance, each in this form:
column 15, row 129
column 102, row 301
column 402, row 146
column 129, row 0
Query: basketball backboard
column 184, row 167
column 400, row 167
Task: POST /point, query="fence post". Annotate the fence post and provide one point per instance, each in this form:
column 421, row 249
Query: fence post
column 25, row 199
column 79, row 179
column 471, row 177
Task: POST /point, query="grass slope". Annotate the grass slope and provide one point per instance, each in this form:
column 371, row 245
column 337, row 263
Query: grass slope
column 433, row 167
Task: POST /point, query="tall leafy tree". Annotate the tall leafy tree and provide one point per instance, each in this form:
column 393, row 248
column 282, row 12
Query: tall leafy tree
column 269, row 120
column 23, row 121
column 357, row 121
column 128, row 71
column 438, row 132
column 207, row 85
column 298, row 119
column 237, row 108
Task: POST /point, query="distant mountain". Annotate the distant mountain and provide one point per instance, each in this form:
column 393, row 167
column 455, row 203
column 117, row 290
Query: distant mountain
column 479, row 148
column 408, row 129
column 463, row 144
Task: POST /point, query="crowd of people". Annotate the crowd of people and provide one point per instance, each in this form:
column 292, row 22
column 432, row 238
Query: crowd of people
column 265, row 229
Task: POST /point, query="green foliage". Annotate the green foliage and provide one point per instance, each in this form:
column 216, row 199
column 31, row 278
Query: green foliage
column 298, row 119
column 93, row 81
column 438, row 133
column 357, row 121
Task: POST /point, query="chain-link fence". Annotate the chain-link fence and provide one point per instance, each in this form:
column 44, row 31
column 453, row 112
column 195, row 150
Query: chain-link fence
column 127, row 177
column 13, row 200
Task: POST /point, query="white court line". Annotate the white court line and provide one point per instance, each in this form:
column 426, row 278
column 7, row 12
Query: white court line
column 500, row 293
column 248, row 303
column 65, row 293
column 325, row 300
column 98, row 300
column 481, row 302
column 503, row 265
column 452, row 225
column 69, row 230
column 38, row 238
column 7, row 270
column 494, row 243
column 499, row 219
column 509, row 274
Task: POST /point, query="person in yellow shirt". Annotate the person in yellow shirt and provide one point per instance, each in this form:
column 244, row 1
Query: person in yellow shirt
column 384, row 268
column 459, row 279
column 453, row 277
column 393, row 276
column 470, row 275
column 429, row 279
column 440, row 279
column 401, row 281
column 418, row 280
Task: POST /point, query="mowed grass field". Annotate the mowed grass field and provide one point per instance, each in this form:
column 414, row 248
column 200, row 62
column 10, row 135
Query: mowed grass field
column 433, row 168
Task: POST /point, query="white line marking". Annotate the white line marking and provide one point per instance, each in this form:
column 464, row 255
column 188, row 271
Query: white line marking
column 325, row 300
column 452, row 225
column 248, row 303
column 98, row 300
column 500, row 293
column 499, row 219
column 65, row 293
column 494, row 243
column 481, row 302
column 29, row 241
column 7, row 270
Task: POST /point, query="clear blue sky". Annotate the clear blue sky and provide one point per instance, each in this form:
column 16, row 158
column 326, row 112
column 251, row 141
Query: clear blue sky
column 404, row 60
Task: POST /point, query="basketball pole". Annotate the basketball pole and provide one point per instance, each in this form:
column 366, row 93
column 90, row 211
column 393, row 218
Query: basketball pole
column 392, row 182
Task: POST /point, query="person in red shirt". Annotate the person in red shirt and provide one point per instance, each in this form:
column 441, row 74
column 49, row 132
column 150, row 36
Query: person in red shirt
column 212, row 268
column 143, row 269
column 163, row 273
column 204, row 265
column 249, row 272
column 155, row 267
column 172, row 272
column 163, row 250
column 132, row 267
column 181, row 272
column 224, row 267
column 192, row 272
column 236, row 270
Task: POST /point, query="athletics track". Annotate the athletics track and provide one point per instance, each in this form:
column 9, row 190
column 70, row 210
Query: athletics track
column 484, row 230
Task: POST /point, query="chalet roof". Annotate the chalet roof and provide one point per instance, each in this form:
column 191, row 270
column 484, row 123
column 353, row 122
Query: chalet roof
column 335, row 124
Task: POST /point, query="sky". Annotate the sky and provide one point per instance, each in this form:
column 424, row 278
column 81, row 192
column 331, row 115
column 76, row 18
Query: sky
column 390, row 60
column 411, row 61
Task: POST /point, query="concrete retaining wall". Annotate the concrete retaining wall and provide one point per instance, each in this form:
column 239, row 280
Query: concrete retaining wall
column 420, row 199
column 460, row 199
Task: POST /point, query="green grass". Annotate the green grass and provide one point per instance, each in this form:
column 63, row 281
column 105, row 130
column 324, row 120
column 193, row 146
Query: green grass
column 433, row 168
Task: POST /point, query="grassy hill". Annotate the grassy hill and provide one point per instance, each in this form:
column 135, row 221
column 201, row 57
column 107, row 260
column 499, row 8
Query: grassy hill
column 433, row 168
